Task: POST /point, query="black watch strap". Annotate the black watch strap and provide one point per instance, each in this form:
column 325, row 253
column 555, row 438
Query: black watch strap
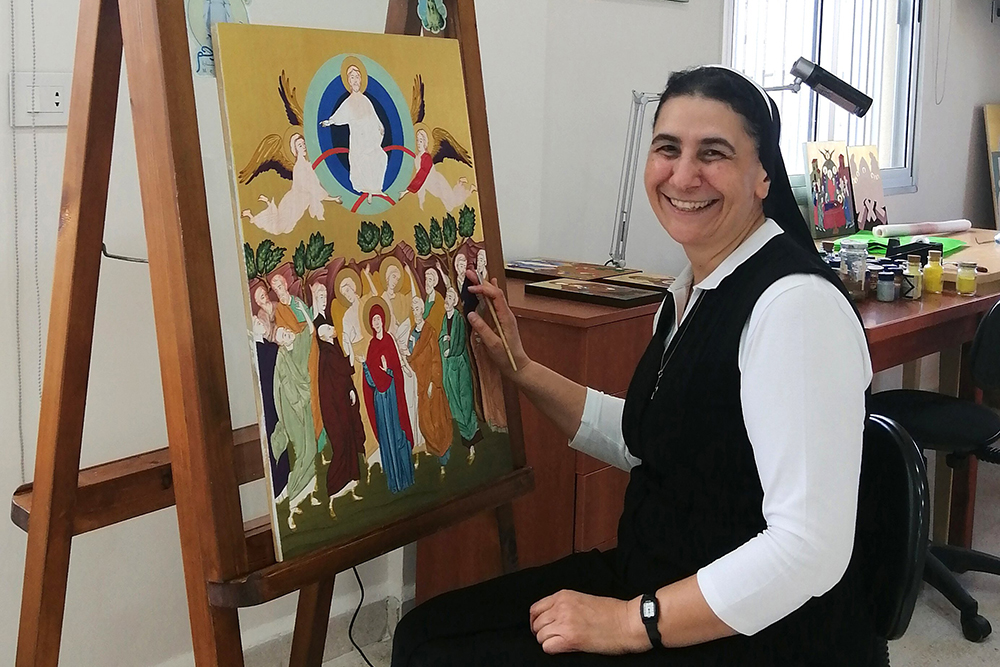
column 649, row 609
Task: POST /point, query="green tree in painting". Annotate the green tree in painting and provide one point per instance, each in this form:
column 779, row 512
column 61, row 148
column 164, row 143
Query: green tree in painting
column 422, row 240
column 467, row 222
column 369, row 237
column 311, row 256
column 449, row 230
column 386, row 235
column 267, row 259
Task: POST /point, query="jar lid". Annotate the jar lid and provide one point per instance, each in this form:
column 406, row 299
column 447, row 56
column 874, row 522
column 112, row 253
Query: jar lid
column 935, row 255
column 854, row 244
column 967, row 265
column 913, row 259
column 887, row 276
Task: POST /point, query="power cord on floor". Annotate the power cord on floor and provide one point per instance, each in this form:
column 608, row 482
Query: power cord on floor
column 350, row 629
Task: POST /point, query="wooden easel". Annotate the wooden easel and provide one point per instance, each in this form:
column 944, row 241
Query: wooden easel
column 226, row 564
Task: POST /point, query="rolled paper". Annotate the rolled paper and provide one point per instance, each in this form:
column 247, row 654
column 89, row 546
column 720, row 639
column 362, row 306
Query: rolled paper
column 922, row 228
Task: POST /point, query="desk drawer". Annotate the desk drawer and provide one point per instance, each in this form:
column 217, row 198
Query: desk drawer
column 599, row 499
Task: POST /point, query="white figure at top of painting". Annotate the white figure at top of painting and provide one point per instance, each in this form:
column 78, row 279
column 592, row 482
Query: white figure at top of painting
column 286, row 155
column 367, row 157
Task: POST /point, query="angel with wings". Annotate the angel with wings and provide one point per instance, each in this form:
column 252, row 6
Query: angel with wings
column 286, row 156
column 434, row 147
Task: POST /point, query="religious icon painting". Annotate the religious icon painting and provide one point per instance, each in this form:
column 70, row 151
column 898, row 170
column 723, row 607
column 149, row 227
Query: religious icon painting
column 359, row 222
column 543, row 268
column 992, row 114
column 599, row 293
column 831, row 208
column 866, row 187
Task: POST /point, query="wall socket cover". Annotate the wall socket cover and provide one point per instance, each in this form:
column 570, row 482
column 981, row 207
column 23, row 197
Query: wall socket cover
column 40, row 98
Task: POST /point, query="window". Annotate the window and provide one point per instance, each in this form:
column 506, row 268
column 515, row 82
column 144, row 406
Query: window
column 871, row 44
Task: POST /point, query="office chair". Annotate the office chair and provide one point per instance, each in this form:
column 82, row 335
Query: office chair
column 893, row 520
column 958, row 428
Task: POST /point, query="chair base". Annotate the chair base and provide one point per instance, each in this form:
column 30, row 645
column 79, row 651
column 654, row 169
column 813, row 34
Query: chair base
column 938, row 574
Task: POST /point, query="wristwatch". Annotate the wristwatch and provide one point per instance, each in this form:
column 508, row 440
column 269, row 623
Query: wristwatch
column 649, row 609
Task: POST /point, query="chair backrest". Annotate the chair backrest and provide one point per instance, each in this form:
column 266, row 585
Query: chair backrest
column 893, row 520
column 984, row 357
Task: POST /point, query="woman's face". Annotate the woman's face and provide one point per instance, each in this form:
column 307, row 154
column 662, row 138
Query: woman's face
column 377, row 324
column 703, row 177
column 421, row 141
column 354, row 78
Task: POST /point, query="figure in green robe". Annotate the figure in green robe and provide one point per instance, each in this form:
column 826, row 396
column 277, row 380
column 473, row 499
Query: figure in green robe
column 458, row 372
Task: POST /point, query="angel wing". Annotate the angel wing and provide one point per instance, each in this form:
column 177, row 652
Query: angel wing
column 269, row 156
column 417, row 107
column 446, row 147
column 292, row 107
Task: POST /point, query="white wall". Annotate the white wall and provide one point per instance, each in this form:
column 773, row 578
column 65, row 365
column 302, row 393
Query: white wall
column 558, row 75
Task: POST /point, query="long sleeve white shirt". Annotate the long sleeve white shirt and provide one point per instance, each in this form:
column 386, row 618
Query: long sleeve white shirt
column 804, row 367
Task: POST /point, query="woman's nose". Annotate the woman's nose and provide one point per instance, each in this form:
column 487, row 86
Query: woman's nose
column 686, row 173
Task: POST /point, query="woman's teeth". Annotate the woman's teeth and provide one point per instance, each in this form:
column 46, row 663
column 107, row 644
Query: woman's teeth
column 691, row 205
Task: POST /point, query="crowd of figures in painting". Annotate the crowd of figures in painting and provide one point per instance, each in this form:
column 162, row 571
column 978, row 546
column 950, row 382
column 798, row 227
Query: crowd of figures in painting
column 383, row 340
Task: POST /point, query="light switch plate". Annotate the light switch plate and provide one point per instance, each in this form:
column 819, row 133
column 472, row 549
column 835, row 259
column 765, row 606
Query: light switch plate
column 40, row 99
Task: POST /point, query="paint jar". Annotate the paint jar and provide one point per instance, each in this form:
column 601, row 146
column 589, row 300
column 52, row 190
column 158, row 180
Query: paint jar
column 886, row 290
column 872, row 280
column 933, row 273
column 853, row 263
column 897, row 281
column 912, row 279
column 965, row 283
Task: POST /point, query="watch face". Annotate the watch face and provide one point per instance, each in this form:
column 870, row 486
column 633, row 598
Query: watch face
column 648, row 609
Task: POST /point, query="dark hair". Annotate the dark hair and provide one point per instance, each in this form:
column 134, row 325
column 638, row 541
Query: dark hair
column 761, row 122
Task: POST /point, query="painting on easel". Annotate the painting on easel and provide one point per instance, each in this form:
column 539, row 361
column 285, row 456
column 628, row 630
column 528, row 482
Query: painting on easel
column 355, row 185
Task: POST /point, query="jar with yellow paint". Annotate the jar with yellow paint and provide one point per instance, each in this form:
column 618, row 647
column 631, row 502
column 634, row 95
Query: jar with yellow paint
column 933, row 273
column 965, row 283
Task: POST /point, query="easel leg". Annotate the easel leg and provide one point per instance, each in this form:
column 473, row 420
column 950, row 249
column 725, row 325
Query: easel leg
column 508, row 537
column 71, row 328
column 311, row 622
column 186, row 310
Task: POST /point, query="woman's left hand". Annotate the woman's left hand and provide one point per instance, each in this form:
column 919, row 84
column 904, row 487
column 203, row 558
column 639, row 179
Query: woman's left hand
column 569, row 621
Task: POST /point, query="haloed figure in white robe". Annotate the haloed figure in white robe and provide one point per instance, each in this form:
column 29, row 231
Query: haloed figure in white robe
column 366, row 156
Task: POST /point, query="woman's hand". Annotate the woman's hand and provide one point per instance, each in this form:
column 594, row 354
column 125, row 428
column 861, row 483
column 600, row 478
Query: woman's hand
column 492, row 342
column 569, row 621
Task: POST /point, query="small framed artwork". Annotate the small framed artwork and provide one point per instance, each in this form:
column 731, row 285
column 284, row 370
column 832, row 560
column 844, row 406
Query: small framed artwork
column 642, row 280
column 831, row 208
column 543, row 268
column 600, row 293
column 866, row 187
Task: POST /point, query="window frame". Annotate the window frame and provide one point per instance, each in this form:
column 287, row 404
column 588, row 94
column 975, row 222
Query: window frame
column 895, row 180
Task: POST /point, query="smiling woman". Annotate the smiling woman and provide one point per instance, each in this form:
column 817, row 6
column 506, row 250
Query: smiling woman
column 736, row 539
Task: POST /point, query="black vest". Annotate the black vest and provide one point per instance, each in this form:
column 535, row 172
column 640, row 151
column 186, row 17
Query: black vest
column 697, row 494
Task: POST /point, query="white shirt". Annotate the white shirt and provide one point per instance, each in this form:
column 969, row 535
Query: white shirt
column 804, row 367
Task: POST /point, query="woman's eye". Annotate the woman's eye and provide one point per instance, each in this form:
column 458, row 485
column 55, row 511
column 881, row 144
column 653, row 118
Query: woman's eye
column 668, row 150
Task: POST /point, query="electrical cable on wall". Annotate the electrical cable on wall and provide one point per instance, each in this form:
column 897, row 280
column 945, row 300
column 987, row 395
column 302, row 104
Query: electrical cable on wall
column 17, row 254
column 942, row 81
column 350, row 628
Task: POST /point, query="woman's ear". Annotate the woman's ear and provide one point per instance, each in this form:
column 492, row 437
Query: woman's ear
column 763, row 185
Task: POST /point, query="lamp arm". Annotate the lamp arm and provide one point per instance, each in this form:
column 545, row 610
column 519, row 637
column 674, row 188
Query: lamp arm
column 630, row 166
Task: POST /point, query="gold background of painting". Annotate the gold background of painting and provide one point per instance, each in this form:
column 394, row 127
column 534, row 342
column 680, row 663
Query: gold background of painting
column 992, row 114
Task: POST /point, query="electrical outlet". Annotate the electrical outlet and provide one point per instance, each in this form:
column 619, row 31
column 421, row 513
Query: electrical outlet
column 40, row 99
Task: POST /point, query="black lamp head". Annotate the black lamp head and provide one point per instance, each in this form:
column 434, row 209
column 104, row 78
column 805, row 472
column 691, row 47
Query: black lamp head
column 829, row 86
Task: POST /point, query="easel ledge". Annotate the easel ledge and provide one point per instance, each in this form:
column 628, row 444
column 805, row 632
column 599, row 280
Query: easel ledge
column 227, row 563
column 128, row 488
